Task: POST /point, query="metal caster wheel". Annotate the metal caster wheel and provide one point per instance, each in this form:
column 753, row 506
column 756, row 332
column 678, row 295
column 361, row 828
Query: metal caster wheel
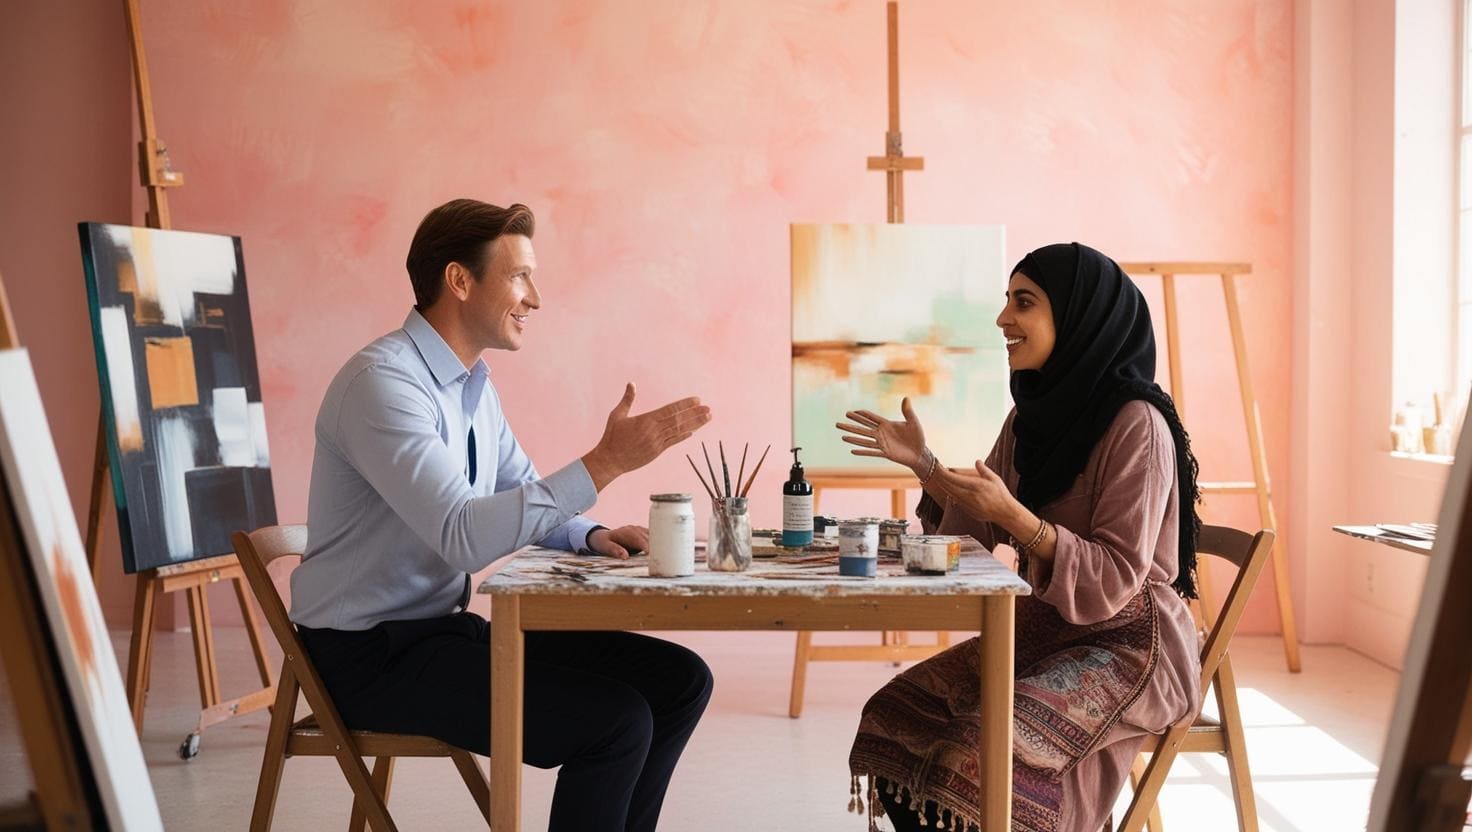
column 189, row 748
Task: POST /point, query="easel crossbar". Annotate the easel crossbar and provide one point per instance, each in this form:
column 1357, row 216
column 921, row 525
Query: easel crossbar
column 1186, row 269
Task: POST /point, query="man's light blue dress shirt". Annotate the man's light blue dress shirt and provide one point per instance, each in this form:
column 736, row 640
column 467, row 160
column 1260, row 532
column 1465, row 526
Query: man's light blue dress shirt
column 394, row 524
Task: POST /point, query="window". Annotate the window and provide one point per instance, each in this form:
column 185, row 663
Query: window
column 1431, row 209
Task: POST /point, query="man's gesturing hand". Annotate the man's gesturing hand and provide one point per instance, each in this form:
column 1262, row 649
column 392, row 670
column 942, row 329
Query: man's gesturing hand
column 631, row 442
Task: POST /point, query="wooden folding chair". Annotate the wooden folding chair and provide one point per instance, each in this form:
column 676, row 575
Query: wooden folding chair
column 323, row 734
column 1203, row 734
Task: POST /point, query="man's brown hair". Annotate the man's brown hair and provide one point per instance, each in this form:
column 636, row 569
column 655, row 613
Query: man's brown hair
column 460, row 231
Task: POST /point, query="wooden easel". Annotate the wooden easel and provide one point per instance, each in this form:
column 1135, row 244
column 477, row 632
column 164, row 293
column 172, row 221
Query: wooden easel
column 193, row 577
column 60, row 799
column 1425, row 779
column 893, row 646
column 1260, row 484
column 894, row 162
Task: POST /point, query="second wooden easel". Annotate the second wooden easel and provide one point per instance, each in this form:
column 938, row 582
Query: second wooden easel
column 1259, row 485
column 893, row 646
column 194, row 577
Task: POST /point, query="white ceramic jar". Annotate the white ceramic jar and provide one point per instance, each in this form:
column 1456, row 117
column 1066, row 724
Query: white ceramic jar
column 671, row 536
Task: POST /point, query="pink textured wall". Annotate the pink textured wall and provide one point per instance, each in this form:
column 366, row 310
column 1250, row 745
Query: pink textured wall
column 666, row 146
column 66, row 142
column 64, row 154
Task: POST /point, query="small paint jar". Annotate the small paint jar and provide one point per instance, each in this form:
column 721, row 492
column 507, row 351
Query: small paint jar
column 825, row 526
column 931, row 554
column 728, row 548
column 671, row 536
column 858, row 547
column 890, row 532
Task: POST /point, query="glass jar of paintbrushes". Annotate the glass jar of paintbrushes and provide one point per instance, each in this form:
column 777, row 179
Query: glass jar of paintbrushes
column 728, row 547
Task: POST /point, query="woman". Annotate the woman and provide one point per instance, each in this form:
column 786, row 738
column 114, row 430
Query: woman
column 1093, row 484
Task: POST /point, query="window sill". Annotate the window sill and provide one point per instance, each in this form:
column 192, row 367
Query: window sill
column 1434, row 459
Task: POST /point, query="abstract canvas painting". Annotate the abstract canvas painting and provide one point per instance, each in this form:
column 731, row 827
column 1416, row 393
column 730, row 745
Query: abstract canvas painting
column 180, row 388
column 881, row 312
column 48, row 530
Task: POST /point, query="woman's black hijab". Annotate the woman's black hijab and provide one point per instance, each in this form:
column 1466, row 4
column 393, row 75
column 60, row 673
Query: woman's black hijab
column 1104, row 357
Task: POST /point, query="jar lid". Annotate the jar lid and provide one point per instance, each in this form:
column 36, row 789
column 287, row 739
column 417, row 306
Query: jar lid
column 669, row 498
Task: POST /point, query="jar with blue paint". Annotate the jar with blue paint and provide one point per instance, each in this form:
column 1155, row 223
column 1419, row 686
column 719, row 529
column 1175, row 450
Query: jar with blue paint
column 858, row 547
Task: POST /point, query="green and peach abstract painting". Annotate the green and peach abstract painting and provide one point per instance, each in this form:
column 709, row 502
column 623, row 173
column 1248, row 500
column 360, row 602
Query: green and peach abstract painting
column 880, row 312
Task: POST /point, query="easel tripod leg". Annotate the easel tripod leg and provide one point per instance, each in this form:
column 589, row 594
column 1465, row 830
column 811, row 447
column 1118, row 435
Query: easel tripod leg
column 100, row 477
column 199, row 627
column 1253, row 418
column 140, row 650
column 208, row 626
column 253, row 629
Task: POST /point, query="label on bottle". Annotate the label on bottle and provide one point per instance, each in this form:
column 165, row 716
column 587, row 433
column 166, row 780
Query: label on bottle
column 797, row 520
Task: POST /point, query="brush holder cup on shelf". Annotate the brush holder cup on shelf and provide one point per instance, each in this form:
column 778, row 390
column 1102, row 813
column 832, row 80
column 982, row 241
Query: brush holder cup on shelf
column 729, row 546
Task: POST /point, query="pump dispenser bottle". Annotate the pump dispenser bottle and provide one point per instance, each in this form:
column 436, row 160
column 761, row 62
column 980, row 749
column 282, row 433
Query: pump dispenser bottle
column 797, row 506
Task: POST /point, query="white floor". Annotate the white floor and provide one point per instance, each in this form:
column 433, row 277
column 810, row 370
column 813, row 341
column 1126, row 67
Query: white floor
column 1313, row 739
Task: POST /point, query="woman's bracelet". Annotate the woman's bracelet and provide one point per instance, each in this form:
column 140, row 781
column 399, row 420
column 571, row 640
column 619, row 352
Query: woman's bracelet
column 1036, row 539
column 924, row 452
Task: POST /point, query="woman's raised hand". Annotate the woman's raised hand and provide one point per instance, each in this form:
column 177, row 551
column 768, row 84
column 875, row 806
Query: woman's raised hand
column 901, row 442
column 980, row 494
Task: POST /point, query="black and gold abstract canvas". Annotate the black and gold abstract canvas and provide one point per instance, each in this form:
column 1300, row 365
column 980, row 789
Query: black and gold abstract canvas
column 181, row 393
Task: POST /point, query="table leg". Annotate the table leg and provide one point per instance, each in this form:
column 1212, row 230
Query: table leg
column 507, row 669
column 995, row 754
column 799, row 673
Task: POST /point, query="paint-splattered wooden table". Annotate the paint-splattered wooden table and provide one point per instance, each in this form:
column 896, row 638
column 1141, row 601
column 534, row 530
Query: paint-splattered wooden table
column 540, row 589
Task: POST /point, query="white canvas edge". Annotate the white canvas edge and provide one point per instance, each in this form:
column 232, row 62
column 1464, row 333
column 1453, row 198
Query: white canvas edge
column 113, row 749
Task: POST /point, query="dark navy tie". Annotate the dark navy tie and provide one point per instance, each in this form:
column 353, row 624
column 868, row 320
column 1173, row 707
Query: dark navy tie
column 470, row 454
column 470, row 472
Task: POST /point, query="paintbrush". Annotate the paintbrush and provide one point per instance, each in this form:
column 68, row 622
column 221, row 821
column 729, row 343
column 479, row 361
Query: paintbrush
column 718, row 504
column 725, row 469
column 741, row 472
column 698, row 476
column 715, row 483
column 754, row 471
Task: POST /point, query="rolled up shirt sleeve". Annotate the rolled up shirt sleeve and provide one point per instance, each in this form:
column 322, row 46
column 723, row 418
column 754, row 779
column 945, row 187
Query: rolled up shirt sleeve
column 392, row 438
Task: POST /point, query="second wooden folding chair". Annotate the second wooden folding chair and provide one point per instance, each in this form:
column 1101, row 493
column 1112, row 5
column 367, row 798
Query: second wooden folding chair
column 1224, row 735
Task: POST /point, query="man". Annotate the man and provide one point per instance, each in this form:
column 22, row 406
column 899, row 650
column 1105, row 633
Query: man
column 417, row 482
